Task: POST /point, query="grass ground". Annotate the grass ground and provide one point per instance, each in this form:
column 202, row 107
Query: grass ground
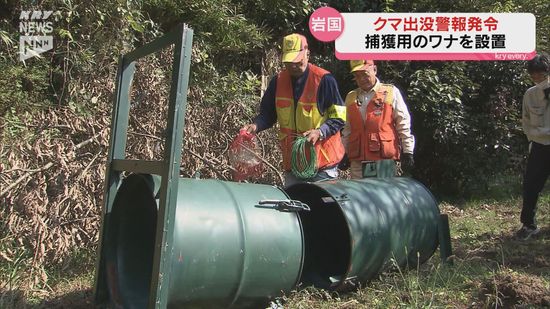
column 491, row 270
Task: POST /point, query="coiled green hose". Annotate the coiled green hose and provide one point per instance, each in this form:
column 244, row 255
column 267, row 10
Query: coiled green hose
column 300, row 166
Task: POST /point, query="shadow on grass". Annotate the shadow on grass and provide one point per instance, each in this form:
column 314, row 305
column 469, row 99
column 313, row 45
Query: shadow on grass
column 78, row 299
column 515, row 270
column 530, row 256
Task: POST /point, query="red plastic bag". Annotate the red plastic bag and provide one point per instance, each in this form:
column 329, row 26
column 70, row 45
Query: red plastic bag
column 244, row 157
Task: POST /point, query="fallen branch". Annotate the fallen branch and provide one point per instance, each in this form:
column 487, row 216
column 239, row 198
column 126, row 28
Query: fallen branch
column 88, row 141
column 348, row 304
column 208, row 162
column 85, row 170
column 146, row 135
column 25, row 176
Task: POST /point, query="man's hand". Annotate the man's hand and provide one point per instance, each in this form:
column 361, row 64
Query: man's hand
column 313, row 135
column 250, row 128
column 407, row 162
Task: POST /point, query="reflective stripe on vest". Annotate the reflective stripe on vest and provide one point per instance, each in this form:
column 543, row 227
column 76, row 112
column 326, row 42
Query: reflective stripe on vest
column 375, row 137
column 298, row 118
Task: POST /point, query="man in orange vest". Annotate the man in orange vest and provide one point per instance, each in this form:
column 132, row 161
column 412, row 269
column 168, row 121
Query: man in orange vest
column 304, row 100
column 378, row 122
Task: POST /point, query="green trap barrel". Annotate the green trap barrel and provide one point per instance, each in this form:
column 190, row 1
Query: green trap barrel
column 356, row 228
column 231, row 247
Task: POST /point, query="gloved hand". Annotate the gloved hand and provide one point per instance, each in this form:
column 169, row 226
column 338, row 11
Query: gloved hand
column 407, row 162
column 344, row 163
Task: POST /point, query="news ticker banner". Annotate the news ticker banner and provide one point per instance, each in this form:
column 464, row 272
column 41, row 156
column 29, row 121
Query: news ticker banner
column 426, row 36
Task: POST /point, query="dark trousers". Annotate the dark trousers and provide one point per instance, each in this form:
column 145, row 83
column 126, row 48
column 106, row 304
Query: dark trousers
column 538, row 170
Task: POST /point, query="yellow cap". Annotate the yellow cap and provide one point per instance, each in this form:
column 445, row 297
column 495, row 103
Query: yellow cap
column 360, row 65
column 294, row 47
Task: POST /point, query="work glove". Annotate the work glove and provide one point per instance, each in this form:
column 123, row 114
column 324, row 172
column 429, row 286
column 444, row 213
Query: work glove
column 407, row 162
column 344, row 163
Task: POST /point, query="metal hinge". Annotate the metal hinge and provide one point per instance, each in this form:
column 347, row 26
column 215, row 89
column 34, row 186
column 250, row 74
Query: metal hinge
column 283, row 205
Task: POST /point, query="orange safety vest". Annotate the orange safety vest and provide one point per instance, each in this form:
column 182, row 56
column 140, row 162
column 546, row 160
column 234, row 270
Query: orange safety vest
column 297, row 118
column 374, row 138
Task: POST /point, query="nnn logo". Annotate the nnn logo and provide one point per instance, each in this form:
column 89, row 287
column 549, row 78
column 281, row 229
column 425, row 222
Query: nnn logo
column 34, row 28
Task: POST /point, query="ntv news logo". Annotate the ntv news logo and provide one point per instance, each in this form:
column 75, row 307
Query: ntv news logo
column 34, row 29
